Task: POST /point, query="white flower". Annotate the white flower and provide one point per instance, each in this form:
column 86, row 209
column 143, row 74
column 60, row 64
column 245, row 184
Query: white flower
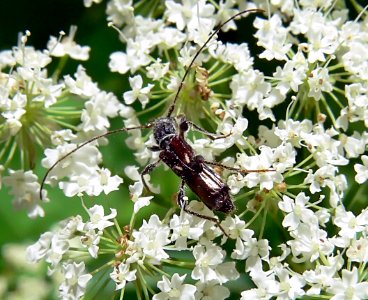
column 234, row 54
column 249, row 88
column 78, row 184
column 169, row 37
column 211, row 291
column 59, row 137
column 103, row 181
column 186, row 56
column 6, row 59
column 185, row 228
column 91, row 239
column 322, row 177
column 29, row 57
column 251, row 250
column 120, row 12
column 67, row 46
column 354, row 145
column 266, row 284
column 132, row 172
column 98, row 220
column 293, row 131
column 349, row 224
column 38, row 251
column 355, row 61
column 152, row 237
column 86, row 157
column 309, row 243
column 55, row 245
column 122, row 274
column 137, row 92
column 319, row 81
column 135, row 57
column 297, row 211
column 75, row 281
column 210, row 266
column 88, row 3
column 13, row 110
column 80, row 167
column 259, row 169
column 362, row 170
column 209, row 227
column 291, row 287
column 174, row 289
column 157, row 70
column 273, row 37
column 356, row 110
column 206, row 262
column 46, row 91
column 325, row 148
column 98, row 109
column 234, row 132
column 322, row 41
column 291, row 75
column 236, row 228
column 136, row 191
column 349, row 286
column 284, row 157
column 320, row 278
column 26, row 190
column 82, row 84
column 358, row 250
column 186, row 14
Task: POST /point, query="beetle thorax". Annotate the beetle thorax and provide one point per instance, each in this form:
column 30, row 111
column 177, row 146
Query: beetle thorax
column 164, row 130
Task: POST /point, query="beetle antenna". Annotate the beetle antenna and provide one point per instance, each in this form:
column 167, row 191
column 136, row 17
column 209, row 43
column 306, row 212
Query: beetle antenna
column 172, row 107
column 81, row 146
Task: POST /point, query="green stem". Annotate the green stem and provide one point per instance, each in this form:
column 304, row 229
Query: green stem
column 5, row 147
column 11, row 154
column 333, row 96
column 104, row 266
column 153, row 107
column 60, row 67
column 184, row 264
column 64, row 124
column 329, row 111
column 255, row 215
column 263, row 226
column 143, row 282
column 213, row 83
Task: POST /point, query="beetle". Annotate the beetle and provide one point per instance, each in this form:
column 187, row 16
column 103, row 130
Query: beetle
column 193, row 170
column 179, row 156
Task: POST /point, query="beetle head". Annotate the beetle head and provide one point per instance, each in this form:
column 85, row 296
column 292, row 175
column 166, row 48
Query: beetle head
column 163, row 130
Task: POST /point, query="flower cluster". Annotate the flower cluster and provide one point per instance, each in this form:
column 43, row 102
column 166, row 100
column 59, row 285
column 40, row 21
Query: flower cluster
column 39, row 110
column 133, row 253
column 292, row 127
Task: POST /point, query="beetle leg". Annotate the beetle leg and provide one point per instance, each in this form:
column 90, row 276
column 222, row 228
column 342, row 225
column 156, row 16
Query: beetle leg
column 148, row 169
column 184, row 126
column 237, row 169
column 154, row 148
column 211, row 135
column 182, row 202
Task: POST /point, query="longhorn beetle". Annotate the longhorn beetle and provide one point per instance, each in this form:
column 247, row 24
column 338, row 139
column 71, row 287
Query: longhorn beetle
column 176, row 153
